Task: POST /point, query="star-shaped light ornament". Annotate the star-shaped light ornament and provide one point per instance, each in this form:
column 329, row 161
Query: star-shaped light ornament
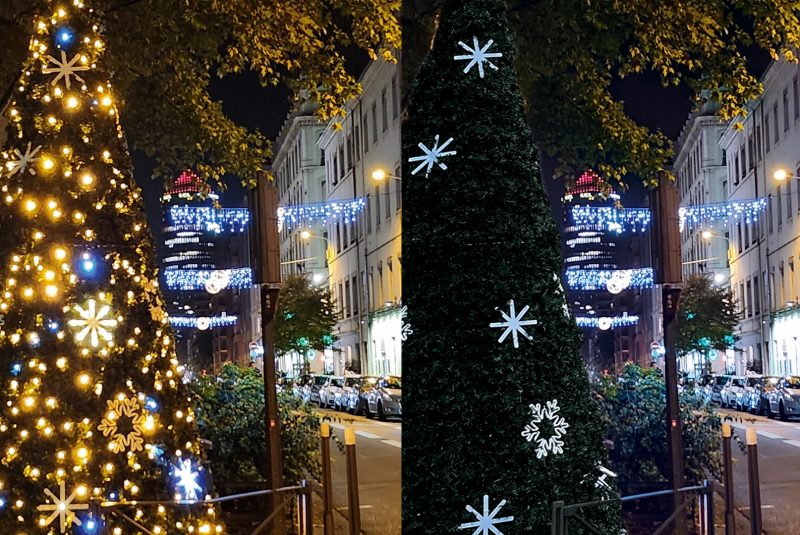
column 186, row 476
column 63, row 508
column 432, row 156
column 66, row 69
column 478, row 55
column 23, row 162
column 514, row 324
column 92, row 324
column 120, row 409
column 487, row 521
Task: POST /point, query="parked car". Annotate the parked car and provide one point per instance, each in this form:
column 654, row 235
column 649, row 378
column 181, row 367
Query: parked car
column 349, row 391
column 751, row 383
column 759, row 403
column 358, row 396
column 314, row 385
column 784, row 400
column 384, row 399
column 733, row 386
column 714, row 388
column 327, row 393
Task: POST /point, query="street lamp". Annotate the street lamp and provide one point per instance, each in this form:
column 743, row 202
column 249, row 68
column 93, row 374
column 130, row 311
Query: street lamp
column 379, row 174
column 782, row 174
column 306, row 235
column 707, row 235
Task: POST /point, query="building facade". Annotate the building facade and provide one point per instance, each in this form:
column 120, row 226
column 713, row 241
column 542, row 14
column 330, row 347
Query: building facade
column 365, row 256
column 764, row 277
column 299, row 169
column 700, row 168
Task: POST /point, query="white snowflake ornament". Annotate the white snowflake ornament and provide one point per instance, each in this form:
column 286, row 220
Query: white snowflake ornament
column 532, row 432
column 24, row 162
column 62, row 508
column 93, row 323
column 514, row 324
column 65, row 69
column 431, row 156
column 487, row 521
column 478, row 55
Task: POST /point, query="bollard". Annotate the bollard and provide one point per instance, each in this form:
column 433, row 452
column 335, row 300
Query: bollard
column 327, row 483
column 727, row 473
column 753, row 481
column 352, row 481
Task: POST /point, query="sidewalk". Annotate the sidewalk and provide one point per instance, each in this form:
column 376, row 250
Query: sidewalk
column 741, row 518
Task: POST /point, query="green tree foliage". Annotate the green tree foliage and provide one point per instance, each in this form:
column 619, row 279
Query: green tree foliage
column 480, row 234
column 230, row 413
column 305, row 317
column 635, row 411
column 572, row 51
column 165, row 53
column 707, row 317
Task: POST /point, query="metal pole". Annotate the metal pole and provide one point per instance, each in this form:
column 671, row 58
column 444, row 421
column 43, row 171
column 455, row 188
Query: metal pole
column 709, row 495
column 727, row 468
column 753, row 481
column 667, row 260
column 268, row 270
column 352, row 481
column 557, row 519
column 327, row 485
column 308, row 508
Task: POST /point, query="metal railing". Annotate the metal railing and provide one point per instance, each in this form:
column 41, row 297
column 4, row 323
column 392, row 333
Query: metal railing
column 301, row 493
column 561, row 513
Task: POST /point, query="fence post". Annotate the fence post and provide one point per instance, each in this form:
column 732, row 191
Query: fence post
column 710, row 506
column 327, row 485
column 557, row 519
column 308, row 510
column 753, row 481
column 352, row 481
column 727, row 473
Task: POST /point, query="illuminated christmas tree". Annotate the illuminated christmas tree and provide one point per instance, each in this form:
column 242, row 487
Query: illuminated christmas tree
column 94, row 406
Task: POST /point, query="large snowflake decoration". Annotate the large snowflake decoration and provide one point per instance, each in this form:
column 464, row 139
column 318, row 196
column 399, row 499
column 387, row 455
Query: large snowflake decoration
column 405, row 328
column 514, row 324
column 65, row 69
column 62, row 508
column 93, row 323
column 111, row 425
column 532, row 432
column 487, row 521
column 187, row 476
column 478, row 55
column 432, row 156
column 24, row 161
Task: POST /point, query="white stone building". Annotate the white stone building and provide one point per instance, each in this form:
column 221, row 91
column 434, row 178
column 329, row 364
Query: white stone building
column 365, row 255
column 763, row 273
column 701, row 174
column 299, row 170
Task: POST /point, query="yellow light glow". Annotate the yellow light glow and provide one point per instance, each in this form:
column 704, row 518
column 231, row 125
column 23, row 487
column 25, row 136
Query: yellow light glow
column 51, row 290
column 106, row 101
column 61, row 363
column 60, row 253
column 27, row 292
column 72, row 102
column 52, row 121
column 87, row 179
column 84, row 379
column 28, row 402
column 30, row 205
column 82, row 452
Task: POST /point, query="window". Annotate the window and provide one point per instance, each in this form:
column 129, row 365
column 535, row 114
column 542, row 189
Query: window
column 389, row 200
column 736, row 169
column 384, row 110
column 357, row 142
column 776, row 125
column 778, row 210
column 349, row 151
column 341, row 299
column 739, row 236
column 356, row 296
column 746, row 236
column 398, row 190
column 749, row 300
column 369, row 215
column 796, row 96
column 335, row 171
column 756, row 296
column 751, row 153
column 344, row 235
column 377, row 206
column 770, row 210
column 374, row 121
column 366, row 133
column 338, row 237
column 758, row 142
column 352, row 235
column 741, row 298
column 347, row 309
column 789, row 198
column 341, row 161
column 743, row 158
column 785, row 109
column 395, row 99
column 766, row 133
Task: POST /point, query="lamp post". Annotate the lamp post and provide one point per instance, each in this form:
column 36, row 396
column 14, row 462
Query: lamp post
column 380, row 174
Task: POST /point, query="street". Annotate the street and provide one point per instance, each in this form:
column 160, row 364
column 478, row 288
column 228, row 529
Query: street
column 779, row 469
column 378, row 446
